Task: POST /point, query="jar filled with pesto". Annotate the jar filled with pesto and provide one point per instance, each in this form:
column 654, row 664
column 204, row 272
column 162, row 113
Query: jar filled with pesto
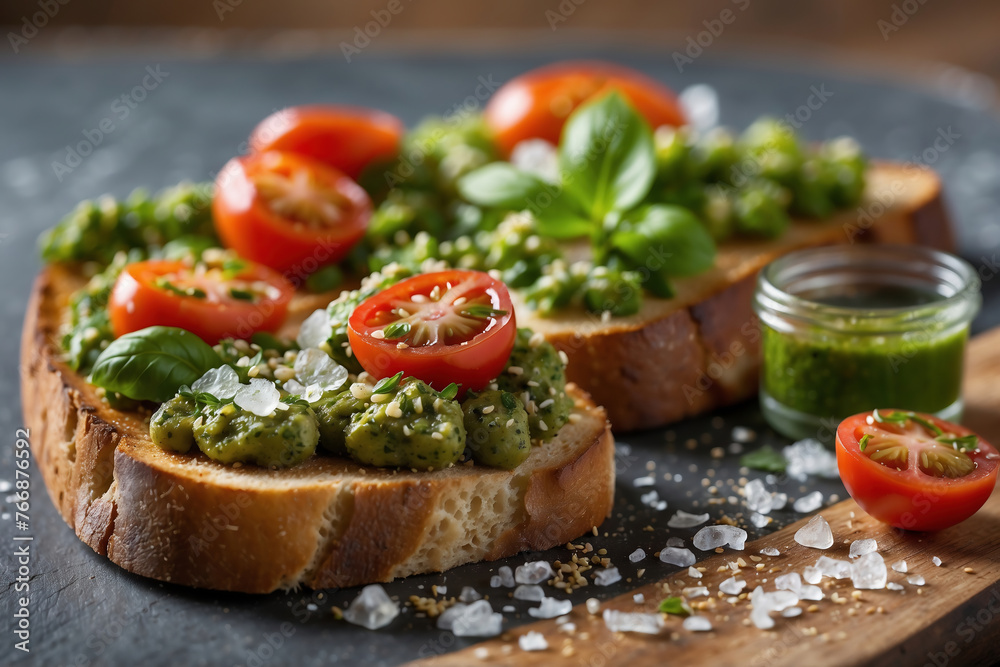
column 845, row 329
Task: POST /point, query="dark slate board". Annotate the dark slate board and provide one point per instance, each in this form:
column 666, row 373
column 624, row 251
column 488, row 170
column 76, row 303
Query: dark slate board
column 86, row 611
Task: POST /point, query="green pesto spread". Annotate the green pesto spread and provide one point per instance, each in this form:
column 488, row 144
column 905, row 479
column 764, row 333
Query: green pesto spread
column 537, row 376
column 496, row 424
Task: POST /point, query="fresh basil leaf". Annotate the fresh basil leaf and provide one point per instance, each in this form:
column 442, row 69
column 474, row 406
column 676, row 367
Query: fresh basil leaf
column 765, row 458
column 896, row 417
column 668, row 239
column 863, row 443
column 388, row 385
column 963, row 443
column 675, row 606
column 153, row 363
column 607, row 161
column 501, row 185
column 450, row 392
column 560, row 217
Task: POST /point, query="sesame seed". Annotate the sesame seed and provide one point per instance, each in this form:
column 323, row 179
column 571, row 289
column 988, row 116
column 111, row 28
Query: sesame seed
column 563, row 357
column 393, row 410
column 542, row 425
column 546, row 403
column 401, row 345
column 510, row 422
column 515, row 370
column 536, row 339
column 418, row 405
column 437, row 436
column 378, row 334
column 488, row 409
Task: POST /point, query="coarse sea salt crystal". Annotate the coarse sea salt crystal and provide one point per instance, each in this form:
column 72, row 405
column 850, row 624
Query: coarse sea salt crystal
column 260, row 397
column 531, row 592
column 533, row 573
column 693, row 573
column 697, row 624
column 550, row 608
column 652, row 499
column 742, row 434
column 313, row 393
column 294, row 387
column 778, row 501
column 770, row 551
column 816, row 534
column 833, row 568
column 899, row 566
column 916, row 580
column 893, row 586
column 869, row 571
column 695, row 591
column 812, row 575
column 765, row 603
column 792, row 612
column 682, row 519
column 861, row 547
column 759, row 520
column 678, row 556
column 607, row 577
column 789, row 582
column 315, row 330
column 639, row 482
column 623, row 621
column 809, row 457
column 372, row 609
column 473, row 620
column 593, row 605
column 468, row 594
column 810, row 592
column 532, row 641
column 936, row 561
column 712, row 537
column 808, row 503
column 639, row 598
column 221, row 382
column 636, row 556
column 732, row 586
column 756, row 496
column 314, row 366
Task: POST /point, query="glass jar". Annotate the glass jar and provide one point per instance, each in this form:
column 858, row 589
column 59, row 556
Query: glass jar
column 846, row 328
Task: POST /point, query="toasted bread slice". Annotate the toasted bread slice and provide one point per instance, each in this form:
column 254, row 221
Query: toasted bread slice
column 325, row 523
column 699, row 350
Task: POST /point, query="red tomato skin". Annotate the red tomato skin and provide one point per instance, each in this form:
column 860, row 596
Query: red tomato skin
column 908, row 502
column 344, row 137
column 246, row 224
column 536, row 104
column 135, row 304
column 471, row 366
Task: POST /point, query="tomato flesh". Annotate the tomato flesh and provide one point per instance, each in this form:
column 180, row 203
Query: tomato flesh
column 536, row 104
column 905, row 477
column 289, row 212
column 212, row 303
column 445, row 327
column 345, row 138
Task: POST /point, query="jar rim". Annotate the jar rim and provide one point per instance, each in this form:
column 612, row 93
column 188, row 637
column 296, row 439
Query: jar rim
column 951, row 277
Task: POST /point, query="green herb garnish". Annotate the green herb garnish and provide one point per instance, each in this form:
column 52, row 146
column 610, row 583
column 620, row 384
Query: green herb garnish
column 482, row 311
column 901, row 417
column 450, row 392
column 241, row 294
column 396, row 330
column 765, row 458
column 675, row 606
column 963, row 443
column 863, row 442
column 165, row 284
column 509, row 400
column 388, row 385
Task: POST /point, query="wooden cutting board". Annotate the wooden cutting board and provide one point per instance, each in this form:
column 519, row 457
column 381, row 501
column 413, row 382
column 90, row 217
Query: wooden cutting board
column 953, row 619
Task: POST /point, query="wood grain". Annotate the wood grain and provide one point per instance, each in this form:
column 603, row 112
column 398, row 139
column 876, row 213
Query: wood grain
column 954, row 619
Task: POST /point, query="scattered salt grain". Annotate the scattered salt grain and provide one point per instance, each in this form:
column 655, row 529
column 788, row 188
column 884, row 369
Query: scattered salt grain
column 693, row 573
column 833, row 568
column 533, row 573
column 789, row 582
column 532, row 592
column 315, row 330
column 550, row 608
column 622, row 621
column 936, row 561
column 816, row 534
column 808, row 503
column 759, row 520
column 742, row 434
column 503, row 578
column 765, row 603
column 471, row 620
column 809, row 592
column 532, row 641
column 757, row 497
column 639, row 598
column 260, row 397
column 682, row 519
column 869, row 571
column 652, row 499
column 713, row 537
column 468, row 594
column 372, row 609
column 509, row 609
column 809, row 457
column 221, row 382
column 778, row 501
column 697, row 624
column 792, row 612
column 732, row 586
column 593, row 605
column 643, row 481
column 812, row 575
column 443, row 590
column 313, row 366
column 636, row 556
column 893, row 586
column 861, row 547
column 695, row 592
column 678, row 556
column 916, row 580
column 607, row 577
column 899, row 566
column 770, row 551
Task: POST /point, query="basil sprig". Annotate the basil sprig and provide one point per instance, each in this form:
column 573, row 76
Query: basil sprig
column 607, row 164
column 963, row 443
column 153, row 363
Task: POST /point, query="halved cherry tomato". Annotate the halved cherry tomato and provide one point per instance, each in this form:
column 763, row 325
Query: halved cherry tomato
column 212, row 303
column 913, row 470
column 535, row 105
column 450, row 326
column 289, row 212
column 343, row 137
